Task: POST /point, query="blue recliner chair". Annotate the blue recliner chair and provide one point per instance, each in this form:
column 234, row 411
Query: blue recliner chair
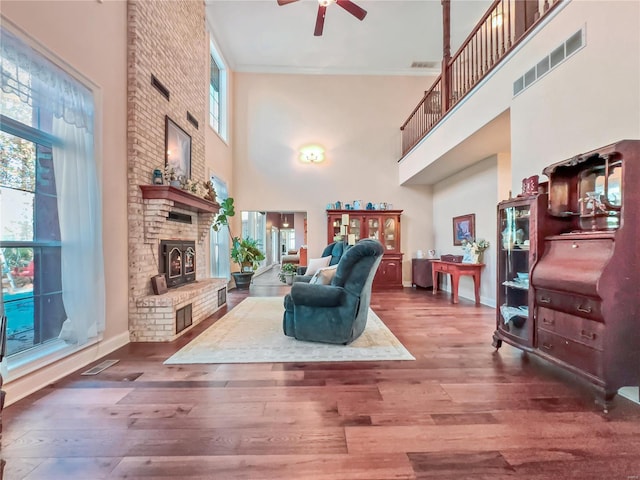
column 335, row 313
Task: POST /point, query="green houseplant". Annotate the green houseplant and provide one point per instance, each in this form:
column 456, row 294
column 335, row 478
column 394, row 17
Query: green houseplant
column 244, row 251
column 287, row 271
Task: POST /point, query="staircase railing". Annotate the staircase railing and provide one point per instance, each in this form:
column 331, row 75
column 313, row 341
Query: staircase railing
column 501, row 28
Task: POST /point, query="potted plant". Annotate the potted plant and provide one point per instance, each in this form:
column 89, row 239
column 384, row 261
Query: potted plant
column 244, row 251
column 287, row 271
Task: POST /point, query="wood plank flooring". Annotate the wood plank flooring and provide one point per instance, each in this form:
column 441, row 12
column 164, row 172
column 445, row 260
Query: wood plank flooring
column 460, row 411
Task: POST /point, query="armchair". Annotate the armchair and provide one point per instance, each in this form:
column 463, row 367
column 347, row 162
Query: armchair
column 335, row 313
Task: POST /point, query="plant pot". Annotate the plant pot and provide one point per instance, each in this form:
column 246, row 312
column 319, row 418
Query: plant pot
column 242, row 279
column 288, row 278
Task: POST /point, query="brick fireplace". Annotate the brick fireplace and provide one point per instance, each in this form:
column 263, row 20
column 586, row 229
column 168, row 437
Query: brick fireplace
column 167, row 44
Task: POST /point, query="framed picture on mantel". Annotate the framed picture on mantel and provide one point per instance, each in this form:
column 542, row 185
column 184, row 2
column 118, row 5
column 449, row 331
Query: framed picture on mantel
column 177, row 148
column 464, row 228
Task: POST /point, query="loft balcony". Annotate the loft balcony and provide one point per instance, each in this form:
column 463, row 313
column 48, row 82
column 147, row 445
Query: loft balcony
column 499, row 31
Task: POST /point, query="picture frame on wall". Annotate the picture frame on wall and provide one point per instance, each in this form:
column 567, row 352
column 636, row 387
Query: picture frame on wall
column 464, row 228
column 177, row 149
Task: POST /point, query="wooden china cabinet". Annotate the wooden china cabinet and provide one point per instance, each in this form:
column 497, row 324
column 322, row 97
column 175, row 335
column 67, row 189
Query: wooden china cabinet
column 381, row 225
column 583, row 261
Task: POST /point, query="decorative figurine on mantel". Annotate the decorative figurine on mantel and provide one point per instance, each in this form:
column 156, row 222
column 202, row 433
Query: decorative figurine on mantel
column 210, row 191
column 157, row 177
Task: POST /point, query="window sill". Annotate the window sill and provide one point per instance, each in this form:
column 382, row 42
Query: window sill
column 222, row 139
column 34, row 359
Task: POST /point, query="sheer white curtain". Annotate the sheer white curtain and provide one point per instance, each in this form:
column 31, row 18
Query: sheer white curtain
column 80, row 214
column 40, row 83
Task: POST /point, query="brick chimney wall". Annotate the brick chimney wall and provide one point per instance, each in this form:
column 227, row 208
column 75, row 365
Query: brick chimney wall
column 166, row 39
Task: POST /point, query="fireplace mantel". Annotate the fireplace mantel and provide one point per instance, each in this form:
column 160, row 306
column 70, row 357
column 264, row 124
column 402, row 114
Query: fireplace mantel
column 160, row 200
column 179, row 197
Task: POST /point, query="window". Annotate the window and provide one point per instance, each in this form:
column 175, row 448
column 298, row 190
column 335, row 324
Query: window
column 219, row 241
column 254, row 225
column 218, row 94
column 50, row 238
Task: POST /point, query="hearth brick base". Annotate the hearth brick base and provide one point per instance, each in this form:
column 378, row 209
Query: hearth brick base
column 155, row 316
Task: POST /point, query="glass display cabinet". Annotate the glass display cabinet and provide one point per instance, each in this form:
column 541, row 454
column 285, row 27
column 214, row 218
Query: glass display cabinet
column 381, row 225
column 514, row 252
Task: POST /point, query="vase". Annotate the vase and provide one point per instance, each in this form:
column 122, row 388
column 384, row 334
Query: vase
column 476, row 257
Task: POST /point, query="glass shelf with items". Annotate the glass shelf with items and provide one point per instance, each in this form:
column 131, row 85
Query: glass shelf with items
column 514, row 226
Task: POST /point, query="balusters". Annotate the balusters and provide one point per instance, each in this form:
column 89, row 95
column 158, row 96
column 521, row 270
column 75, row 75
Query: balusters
column 494, row 35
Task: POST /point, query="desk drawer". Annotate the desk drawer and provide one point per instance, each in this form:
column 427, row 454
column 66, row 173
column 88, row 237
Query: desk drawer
column 578, row 305
column 573, row 353
column 580, row 330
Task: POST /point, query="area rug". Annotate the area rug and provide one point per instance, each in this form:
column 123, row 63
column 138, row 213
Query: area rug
column 252, row 333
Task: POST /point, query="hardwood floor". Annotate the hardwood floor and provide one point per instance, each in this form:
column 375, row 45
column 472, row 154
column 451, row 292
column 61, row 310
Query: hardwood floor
column 460, row 411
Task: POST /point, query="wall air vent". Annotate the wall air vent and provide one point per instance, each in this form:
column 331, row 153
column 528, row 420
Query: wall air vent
column 425, row 65
column 192, row 120
column 558, row 55
column 179, row 217
column 160, row 87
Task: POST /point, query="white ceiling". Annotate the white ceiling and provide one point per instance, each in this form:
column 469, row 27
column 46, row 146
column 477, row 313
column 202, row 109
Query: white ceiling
column 261, row 36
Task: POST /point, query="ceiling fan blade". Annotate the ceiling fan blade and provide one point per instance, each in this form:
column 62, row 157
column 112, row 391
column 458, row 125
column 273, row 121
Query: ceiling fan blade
column 320, row 21
column 285, row 2
column 352, row 8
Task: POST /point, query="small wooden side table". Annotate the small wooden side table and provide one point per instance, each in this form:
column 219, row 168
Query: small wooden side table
column 456, row 270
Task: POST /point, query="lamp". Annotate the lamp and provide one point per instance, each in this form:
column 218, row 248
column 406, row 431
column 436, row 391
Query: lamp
column 312, row 154
column 285, row 224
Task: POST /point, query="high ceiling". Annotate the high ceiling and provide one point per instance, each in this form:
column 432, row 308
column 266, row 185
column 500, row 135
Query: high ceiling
column 261, row 36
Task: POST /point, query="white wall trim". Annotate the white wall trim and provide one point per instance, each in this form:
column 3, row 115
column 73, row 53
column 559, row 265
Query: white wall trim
column 28, row 384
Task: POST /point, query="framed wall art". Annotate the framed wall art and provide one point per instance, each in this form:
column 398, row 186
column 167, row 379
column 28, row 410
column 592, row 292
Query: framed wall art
column 464, row 228
column 177, row 149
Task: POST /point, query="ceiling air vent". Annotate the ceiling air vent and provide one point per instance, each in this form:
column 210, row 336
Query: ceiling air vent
column 558, row 55
column 425, row 64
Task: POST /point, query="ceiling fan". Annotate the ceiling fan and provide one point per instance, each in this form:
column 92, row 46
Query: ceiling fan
column 348, row 5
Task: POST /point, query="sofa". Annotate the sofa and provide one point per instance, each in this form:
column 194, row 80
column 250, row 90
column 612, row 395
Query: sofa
column 334, row 250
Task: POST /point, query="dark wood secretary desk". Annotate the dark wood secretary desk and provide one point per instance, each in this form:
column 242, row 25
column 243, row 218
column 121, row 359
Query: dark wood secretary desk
column 584, row 269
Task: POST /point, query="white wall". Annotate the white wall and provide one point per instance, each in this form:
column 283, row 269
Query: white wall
column 473, row 190
column 590, row 100
column 91, row 38
column 356, row 119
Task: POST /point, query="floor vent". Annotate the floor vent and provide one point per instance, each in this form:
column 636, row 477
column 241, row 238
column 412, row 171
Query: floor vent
column 183, row 318
column 558, row 55
column 100, row 367
column 222, row 296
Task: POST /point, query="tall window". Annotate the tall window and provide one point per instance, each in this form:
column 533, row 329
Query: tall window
column 50, row 210
column 219, row 241
column 218, row 94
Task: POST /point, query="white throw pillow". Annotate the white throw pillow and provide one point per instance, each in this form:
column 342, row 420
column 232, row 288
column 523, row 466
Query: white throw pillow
column 316, row 264
column 324, row 275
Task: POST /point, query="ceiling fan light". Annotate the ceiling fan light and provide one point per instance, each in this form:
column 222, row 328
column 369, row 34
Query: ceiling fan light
column 326, row 3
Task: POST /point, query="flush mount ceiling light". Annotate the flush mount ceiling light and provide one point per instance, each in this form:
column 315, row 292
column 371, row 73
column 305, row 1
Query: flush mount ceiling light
column 312, row 154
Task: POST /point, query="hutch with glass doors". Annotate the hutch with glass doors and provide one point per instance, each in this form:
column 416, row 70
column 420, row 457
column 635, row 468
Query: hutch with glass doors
column 523, row 223
column 381, row 225
column 583, row 297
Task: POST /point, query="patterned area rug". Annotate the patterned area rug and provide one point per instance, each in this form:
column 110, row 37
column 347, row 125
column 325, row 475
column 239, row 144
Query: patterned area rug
column 252, row 333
